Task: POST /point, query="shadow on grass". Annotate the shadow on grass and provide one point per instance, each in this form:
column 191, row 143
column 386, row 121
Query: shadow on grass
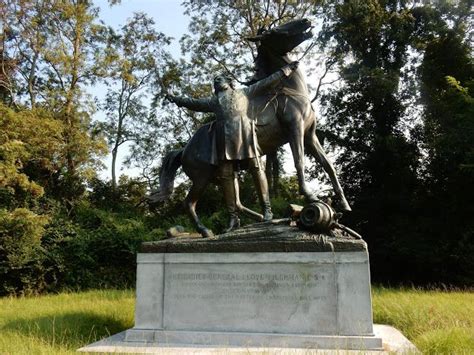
column 70, row 329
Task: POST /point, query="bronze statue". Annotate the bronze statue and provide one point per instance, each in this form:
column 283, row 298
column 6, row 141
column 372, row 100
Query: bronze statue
column 235, row 140
column 282, row 116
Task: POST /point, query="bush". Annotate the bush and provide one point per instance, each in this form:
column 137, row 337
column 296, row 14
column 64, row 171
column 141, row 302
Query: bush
column 86, row 247
column 96, row 249
column 21, row 254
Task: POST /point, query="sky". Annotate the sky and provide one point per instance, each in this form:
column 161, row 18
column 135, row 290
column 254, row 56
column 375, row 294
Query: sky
column 170, row 19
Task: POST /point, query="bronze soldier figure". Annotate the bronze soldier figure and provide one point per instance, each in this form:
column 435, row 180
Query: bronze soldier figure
column 236, row 142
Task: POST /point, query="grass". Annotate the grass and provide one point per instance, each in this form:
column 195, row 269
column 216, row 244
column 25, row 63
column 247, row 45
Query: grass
column 437, row 322
column 60, row 324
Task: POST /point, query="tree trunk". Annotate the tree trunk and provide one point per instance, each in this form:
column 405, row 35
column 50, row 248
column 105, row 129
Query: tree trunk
column 77, row 43
column 31, row 80
column 114, row 161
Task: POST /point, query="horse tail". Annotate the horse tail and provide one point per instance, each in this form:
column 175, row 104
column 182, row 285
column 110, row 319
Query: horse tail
column 170, row 165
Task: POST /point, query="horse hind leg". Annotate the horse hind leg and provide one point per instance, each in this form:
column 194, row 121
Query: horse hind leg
column 316, row 150
column 190, row 203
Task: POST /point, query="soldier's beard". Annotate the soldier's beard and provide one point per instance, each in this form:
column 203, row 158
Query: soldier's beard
column 234, row 102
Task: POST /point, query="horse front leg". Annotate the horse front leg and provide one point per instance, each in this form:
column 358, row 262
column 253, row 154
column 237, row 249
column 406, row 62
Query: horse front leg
column 316, row 150
column 297, row 149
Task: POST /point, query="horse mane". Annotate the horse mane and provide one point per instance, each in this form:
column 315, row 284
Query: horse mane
column 268, row 62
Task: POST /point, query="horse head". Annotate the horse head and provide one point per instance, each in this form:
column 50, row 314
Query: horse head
column 284, row 38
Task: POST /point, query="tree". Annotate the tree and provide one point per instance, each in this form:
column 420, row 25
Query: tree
column 7, row 65
column 447, row 83
column 136, row 56
column 366, row 114
column 29, row 23
column 56, row 46
column 27, row 136
column 398, row 157
column 71, row 63
column 221, row 27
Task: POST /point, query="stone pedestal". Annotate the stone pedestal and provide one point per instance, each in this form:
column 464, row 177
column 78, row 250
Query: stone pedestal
column 267, row 286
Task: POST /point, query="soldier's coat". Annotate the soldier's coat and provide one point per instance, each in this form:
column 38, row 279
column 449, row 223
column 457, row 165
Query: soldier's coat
column 232, row 135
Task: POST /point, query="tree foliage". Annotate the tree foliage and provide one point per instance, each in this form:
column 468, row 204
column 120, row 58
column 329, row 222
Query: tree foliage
column 447, row 84
column 20, row 250
column 135, row 58
column 29, row 146
column 56, row 46
column 386, row 165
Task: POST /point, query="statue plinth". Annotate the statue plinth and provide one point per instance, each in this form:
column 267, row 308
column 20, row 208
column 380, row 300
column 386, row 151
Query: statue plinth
column 275, row 236
column 263, row 285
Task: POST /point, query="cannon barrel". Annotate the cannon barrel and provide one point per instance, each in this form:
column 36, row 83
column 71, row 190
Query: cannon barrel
column 318, row 217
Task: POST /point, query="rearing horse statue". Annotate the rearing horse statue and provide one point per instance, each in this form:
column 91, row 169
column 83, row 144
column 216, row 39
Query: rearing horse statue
column 283, row 116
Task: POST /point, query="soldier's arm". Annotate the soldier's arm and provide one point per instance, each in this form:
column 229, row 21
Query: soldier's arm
column 200, row 105
column 271, row 81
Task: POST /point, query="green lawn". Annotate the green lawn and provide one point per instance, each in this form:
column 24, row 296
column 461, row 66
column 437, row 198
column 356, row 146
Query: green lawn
column 59, row 324
column 437, row 322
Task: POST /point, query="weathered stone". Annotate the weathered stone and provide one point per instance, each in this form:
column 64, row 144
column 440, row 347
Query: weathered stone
column 276, row 236
column 319, row 299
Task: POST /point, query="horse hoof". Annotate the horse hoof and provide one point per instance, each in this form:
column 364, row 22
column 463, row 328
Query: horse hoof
column 268, row 216
column 207, row 233
column 343, row 206
column 234, row 223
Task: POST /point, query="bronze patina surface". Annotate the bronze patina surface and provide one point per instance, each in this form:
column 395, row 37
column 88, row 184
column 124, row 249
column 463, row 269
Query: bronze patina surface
column 277, row 236
column 275, row 109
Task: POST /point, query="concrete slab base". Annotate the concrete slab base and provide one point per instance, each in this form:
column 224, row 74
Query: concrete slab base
column 243, row 339
column 392, row 339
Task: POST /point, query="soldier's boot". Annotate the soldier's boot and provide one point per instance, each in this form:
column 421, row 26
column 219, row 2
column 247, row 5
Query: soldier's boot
column 228, row 189
column 261, row 185
column 226, row 177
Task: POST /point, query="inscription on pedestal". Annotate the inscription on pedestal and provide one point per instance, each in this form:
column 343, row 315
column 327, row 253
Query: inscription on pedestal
column 232, row 286
column 298, row 297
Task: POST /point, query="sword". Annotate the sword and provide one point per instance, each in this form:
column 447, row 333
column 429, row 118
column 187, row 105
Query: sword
column 254, row 141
